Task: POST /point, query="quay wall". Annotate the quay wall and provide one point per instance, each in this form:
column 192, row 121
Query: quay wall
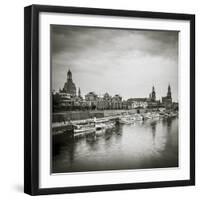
column 76, row 115
column 119, row 112
column 79, row 115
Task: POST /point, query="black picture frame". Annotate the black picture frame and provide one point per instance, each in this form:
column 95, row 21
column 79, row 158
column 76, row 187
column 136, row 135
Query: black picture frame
column 31, row 98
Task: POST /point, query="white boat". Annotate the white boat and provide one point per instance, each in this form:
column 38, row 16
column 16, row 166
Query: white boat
column 147, row 116
column 173, row 114
column 100, row 126
column 127, row 120
column 110, row 125
column 155, row 115
column 138, row 117
column 151, row 116
column 80, row 130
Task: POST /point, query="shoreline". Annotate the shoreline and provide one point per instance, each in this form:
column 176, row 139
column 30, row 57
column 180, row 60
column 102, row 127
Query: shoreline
column 128, row 118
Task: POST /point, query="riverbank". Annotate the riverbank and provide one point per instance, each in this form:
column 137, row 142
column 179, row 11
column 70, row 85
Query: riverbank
column 89, row 124
column 81, row 115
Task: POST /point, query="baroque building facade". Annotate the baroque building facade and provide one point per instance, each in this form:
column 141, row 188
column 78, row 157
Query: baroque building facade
column 69, row 98
column 134, row 103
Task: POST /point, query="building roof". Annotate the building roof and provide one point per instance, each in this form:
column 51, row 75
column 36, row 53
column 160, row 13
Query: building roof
column 137, row 99
column 69, row 87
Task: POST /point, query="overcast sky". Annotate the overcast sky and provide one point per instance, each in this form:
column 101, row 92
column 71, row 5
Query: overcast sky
column 117, row 61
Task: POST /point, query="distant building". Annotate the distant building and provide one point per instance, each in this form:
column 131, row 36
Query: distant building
column 69, row 98
column 79, row 94
column 107, row 101
column 116, row 102
column 66, row 98
column 69, row 86
column 101, row 103
column 167, row 100
column 151, row 101
column 91, row 98
column 137, row 103
column 152, row 95
column 124, row 105
column 175, row 106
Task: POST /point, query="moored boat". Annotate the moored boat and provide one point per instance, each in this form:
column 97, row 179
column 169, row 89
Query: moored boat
column 84, row 129
column 127, row 119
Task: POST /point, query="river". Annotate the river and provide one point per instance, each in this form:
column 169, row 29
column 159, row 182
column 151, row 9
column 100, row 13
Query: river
column 142, row 145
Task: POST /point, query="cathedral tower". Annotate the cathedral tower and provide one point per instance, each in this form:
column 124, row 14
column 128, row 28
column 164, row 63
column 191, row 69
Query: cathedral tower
column 169, row 94
column 153, row 94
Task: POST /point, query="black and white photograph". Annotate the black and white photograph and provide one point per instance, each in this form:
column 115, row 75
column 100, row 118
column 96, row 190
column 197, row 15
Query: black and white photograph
column 109, row 99
column 114, row 99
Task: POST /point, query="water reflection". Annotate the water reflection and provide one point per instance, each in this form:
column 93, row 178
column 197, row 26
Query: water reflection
column 149, row 144
column 153, row 127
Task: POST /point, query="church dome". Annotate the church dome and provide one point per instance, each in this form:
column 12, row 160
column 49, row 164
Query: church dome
column 69, row 86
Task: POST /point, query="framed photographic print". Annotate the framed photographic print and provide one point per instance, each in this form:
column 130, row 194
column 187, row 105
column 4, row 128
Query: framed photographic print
column 109, row 100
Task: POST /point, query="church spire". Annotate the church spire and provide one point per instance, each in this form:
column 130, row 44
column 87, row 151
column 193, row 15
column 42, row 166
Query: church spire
column 69, row 75
column 79, row 92
column 169, row 91
column 153, row 94
column 169, row 88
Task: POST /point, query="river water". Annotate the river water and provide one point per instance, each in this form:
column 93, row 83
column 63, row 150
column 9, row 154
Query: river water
column 148, row 144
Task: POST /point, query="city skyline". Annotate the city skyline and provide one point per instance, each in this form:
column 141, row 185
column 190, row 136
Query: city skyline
column 104, row 60
column 78, row 92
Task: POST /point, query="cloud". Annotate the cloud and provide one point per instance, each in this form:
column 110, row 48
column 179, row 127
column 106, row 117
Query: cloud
column 115, row 60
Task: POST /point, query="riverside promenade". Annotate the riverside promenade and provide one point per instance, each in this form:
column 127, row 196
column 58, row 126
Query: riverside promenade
column 82, row 115
column 119, row 117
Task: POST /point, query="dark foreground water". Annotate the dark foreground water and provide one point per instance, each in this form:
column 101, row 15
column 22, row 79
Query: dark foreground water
column 149, row 144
